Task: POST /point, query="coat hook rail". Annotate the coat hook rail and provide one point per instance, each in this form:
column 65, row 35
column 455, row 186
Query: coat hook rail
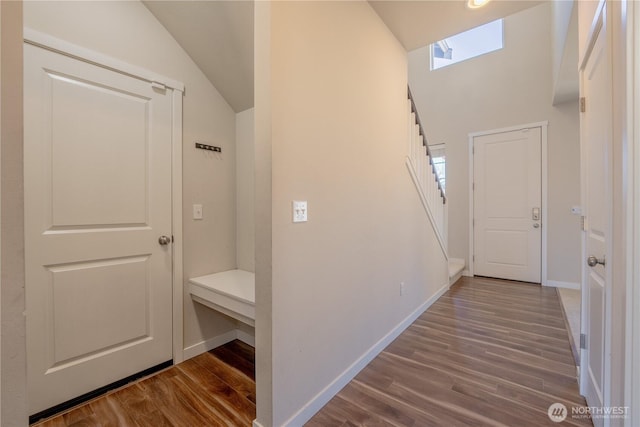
column 208, row 147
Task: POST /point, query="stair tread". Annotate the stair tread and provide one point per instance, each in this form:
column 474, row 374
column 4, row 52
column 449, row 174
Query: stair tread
column 455, row 267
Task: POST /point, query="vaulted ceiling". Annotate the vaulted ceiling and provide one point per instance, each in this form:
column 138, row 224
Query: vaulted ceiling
column 218, row 35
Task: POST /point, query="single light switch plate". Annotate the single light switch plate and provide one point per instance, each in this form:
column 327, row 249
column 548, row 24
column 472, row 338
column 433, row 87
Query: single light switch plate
column 299, row 211
column 197, row 211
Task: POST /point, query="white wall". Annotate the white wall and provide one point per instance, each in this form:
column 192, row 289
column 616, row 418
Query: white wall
column 331, row 128
column 245, row 193
column 245, row 204
column 128, row 31
column 13, row 371
column 565, row 51
column 561, row 12
column 586, row 16
column 505, row 88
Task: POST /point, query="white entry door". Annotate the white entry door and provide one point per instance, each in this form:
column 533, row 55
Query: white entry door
column 507, row 207
column 97, row 155
column 596, row 140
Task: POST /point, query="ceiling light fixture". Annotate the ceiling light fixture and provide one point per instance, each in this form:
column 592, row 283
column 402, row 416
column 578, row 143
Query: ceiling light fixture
column 476, row 4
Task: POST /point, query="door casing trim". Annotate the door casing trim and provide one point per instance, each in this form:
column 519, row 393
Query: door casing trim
column 632, row 386
column 66, row 48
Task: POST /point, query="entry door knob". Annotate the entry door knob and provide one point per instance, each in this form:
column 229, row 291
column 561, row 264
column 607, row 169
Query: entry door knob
column 593, row 261
column 164, row 240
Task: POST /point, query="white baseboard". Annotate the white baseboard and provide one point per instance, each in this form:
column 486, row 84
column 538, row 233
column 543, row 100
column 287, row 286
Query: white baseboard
column 210, row 344
column 559, row 284
column 246, row 337
column 217, row 341
column 256, row 424
column 316, row 403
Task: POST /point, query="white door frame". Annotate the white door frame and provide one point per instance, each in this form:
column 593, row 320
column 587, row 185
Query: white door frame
column 543, row 128
column 68, row 49
column 632, row 356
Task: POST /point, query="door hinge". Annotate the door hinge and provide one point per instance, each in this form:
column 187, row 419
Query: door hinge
column 583, row 104
column 583, row 341
column 473, row 186
column 158, row 85
column 473, row 150
column 473, row 258
column 473, row 222
column 584, row 222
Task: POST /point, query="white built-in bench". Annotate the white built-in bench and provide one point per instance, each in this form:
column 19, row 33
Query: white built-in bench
column 231, row 292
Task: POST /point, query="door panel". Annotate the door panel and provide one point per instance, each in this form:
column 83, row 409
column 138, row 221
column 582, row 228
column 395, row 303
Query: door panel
column 507, row 180
column 596, row 139
column 107, row 129
column 100, row 286
column 97, row 197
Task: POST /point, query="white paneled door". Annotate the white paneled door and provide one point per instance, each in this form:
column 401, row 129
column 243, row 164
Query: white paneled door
column 507, row 205
column 97, row 200
column 596, row 140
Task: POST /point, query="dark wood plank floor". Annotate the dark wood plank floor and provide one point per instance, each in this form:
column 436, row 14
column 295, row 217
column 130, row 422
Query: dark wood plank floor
column 487, row 353
column 213, row 389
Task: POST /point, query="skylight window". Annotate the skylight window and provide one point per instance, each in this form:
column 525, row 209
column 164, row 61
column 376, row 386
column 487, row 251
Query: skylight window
column 469, row 44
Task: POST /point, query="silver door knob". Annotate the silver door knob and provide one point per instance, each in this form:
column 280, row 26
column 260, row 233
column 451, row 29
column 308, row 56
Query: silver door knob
column 164, row 240
column 536, row 225
column 593, row 261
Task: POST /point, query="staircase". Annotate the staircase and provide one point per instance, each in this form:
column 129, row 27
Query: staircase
column 424, row 175
column 456, row 269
